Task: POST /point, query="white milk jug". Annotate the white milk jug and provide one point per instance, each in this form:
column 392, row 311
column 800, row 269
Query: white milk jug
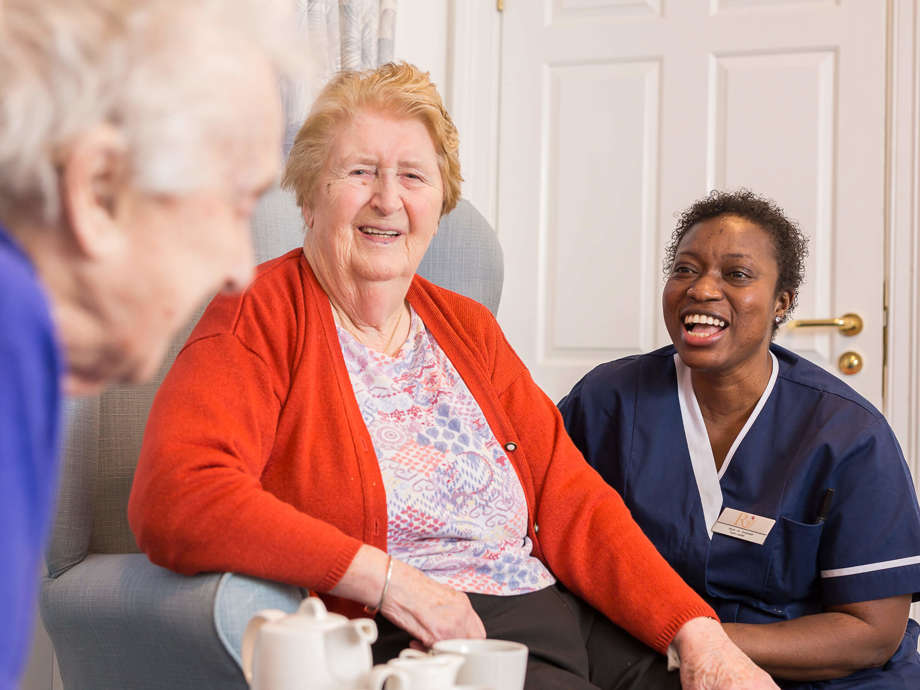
column 426, row 671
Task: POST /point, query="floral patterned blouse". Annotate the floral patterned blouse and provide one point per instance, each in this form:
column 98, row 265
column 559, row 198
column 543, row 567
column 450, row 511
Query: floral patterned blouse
column 456, row 508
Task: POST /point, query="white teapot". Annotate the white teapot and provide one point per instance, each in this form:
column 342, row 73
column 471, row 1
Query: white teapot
column 312, row 649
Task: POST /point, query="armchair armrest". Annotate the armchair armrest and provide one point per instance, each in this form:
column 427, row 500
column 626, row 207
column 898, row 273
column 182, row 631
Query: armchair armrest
column 118, row 621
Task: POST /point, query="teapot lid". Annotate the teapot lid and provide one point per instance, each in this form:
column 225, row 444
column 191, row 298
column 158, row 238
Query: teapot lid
column 312, row 614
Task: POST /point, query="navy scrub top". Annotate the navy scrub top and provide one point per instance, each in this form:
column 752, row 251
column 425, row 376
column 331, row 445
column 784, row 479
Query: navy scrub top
column 810, row 433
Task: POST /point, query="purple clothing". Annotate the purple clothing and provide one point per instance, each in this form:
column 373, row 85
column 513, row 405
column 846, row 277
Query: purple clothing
column 31, row 365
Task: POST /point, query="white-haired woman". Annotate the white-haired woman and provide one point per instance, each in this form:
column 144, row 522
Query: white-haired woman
column 348, row 427
column 135, row 139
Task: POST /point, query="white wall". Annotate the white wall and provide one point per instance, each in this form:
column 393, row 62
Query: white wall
column 421, row 37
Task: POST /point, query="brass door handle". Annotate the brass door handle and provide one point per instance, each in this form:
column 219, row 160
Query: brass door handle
column 848, row 324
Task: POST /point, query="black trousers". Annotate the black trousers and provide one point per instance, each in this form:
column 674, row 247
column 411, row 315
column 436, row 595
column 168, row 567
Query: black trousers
column 572, row 646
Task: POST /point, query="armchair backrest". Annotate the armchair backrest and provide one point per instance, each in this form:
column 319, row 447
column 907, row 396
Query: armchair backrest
column 104, row 433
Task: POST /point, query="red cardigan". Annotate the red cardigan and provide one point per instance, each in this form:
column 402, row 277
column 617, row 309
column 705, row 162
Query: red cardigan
column 256, row 459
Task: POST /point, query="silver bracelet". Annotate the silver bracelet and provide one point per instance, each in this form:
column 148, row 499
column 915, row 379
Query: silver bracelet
column 386, row 585
column 673, row 658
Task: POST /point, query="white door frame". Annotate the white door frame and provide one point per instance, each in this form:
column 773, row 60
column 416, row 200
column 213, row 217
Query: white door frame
column 474, row 71
column 472, row 95
column 902, row 384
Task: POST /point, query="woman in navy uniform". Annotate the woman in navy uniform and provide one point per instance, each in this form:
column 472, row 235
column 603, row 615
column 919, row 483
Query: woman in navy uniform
column 772, row 487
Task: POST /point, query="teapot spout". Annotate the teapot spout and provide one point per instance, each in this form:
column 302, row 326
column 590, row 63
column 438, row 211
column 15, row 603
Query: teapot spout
column 365, row 629
column 348, row 649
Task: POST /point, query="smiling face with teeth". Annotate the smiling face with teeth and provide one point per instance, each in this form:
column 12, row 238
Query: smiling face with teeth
column 377, row 203
column 720, row 300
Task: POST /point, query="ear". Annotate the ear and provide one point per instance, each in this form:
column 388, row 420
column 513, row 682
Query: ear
column 94, row 174
column 783, row 302
column 307, row 212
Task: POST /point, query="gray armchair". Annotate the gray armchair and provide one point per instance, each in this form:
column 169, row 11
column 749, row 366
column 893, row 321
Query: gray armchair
column 115, row 619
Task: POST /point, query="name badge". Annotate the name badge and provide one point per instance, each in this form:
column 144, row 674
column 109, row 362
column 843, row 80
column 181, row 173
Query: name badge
column 746, row 526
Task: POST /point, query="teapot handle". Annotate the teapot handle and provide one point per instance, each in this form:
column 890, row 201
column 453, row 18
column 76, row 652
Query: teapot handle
column 252, row 632
column 381, row 674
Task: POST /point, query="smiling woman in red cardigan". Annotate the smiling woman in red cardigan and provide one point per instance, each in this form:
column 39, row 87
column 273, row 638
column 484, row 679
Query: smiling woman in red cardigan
column 350, row 428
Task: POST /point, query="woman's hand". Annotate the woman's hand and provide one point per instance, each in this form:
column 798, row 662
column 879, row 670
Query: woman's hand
column 424, row 608
column 709, row 660
column 428, row 610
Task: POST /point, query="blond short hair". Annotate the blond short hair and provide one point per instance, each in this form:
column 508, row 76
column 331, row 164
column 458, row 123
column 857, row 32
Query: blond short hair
column 398, row 89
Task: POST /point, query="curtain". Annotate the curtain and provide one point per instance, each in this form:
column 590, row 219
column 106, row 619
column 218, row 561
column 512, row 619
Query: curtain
column 353, row 34
column 344, row 34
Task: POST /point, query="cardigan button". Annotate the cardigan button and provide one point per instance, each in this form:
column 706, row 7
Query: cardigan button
column 536, row 528
column 511, row 446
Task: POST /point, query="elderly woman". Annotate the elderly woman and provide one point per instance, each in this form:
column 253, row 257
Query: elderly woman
column 126, row 185
column 348, row 427
column 786, row 502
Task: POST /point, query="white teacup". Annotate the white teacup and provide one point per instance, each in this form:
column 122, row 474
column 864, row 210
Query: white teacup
column 498, row 664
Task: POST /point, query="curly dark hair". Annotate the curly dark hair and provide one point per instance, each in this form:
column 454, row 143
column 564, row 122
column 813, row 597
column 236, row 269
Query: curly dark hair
column 790, row 244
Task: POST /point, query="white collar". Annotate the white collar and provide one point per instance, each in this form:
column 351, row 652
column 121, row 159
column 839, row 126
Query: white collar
column 701, row 457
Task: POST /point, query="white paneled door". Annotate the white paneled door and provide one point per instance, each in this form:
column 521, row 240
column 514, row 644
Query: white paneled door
column 617, row 114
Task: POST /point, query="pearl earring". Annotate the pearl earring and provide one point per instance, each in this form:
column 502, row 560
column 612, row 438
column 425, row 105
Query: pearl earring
column 778, row 319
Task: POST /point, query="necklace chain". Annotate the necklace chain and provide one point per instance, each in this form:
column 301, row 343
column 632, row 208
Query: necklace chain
column 347, row 324
column 386, row 348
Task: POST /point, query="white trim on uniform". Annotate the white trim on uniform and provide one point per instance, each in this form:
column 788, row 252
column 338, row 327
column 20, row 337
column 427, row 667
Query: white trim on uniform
column 871, row 567
column 701, row 457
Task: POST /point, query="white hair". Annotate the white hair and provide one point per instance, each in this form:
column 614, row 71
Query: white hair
column 156, row 70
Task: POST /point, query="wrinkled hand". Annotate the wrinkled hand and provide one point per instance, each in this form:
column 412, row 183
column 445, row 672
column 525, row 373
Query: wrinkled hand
column 709, row 660
column 428, row 610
